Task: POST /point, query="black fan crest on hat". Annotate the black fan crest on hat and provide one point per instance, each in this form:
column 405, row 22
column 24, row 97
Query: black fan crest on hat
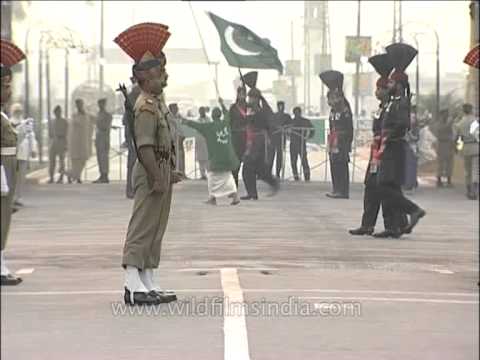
column 401, row 55
column 250, row 79
column 333, row 79
column 382, row 64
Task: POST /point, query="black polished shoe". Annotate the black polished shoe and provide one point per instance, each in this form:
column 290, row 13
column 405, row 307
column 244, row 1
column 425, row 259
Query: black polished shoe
column 248, row 197
column 10, row 280
column 164, row 296
column 414, row 219
column 140, row 298
column 361, row 231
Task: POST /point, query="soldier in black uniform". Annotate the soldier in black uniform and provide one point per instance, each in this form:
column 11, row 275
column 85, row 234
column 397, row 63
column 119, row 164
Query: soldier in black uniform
column 391, row 171
column 238, row 121
column 341, row 134
column 280, row 120
column 301, row 130
column 371, row 197
column 255, row 158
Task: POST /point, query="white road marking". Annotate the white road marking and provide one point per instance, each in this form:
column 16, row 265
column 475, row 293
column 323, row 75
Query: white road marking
column 386, row 299
column 443, row 271
column 25, row 271
column 234, row 326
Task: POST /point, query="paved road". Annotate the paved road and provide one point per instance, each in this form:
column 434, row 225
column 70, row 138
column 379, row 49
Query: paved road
column 308, row 289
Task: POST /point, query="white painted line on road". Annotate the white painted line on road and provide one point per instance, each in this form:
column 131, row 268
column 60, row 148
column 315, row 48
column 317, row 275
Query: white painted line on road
column 234, row 326
column 347, row 291
column 443, row 271
column 25, row 271
column 384, row 299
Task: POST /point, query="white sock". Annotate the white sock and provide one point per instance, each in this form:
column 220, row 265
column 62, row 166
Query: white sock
column 133, row 281
column 4, row 269
column 147, row 277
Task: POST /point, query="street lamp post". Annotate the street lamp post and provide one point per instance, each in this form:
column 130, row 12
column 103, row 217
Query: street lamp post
column 47, row 80
column 27, row 75
column 417, row 73
column 66, row 83
column 40, row 98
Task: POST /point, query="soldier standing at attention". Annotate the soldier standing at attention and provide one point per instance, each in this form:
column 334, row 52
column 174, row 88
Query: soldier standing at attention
column 58, row 147
column 9, row 56
column 154, row 172
column 341, row 134
column 102, row 141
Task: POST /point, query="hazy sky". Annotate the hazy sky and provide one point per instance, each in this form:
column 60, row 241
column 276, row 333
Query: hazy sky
column 271, row 20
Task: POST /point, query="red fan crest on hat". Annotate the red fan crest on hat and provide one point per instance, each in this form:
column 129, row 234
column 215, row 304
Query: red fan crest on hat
column 472, row 57
column 141, row 38
column 10, row 54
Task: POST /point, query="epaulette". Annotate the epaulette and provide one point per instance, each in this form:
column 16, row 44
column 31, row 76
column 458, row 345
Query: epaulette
column 148, row 105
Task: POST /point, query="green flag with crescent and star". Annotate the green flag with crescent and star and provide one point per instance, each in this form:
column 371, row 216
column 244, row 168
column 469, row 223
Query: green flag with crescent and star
column 243, row 48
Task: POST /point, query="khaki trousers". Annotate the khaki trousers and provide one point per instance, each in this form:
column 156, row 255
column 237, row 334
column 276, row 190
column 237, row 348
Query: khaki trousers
column 10, row 165
column 147, row 224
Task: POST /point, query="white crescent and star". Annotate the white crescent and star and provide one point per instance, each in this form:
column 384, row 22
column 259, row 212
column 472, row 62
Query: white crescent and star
column 234, row 46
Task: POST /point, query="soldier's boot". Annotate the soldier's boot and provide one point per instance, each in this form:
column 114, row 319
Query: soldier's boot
column 361, row 231
column 135, row 291
column 163, row 296
column 439, row 182
column 474, row 191
column 414, row 219
column 60, row 179
column 307, row 177
column 50, row 181
column 7, row 278
column 211, row 201
column 449, row 182
column 469, row 193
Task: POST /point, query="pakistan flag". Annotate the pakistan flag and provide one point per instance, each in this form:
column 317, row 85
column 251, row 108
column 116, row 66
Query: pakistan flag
column 243, row 48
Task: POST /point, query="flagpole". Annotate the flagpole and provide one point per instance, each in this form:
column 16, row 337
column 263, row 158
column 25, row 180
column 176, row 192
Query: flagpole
column 203, row 46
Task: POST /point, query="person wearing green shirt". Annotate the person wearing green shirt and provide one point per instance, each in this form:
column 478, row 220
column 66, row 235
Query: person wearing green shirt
column 221, row 155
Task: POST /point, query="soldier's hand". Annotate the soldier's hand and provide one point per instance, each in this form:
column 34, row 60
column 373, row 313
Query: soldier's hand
column 158, row 186
column 177, row 176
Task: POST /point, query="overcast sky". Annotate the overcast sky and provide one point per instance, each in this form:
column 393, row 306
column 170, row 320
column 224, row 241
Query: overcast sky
column 271, row 20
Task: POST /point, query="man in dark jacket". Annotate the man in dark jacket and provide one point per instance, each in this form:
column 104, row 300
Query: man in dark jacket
column 280, row 120
column 238, row 119
column 301, row 131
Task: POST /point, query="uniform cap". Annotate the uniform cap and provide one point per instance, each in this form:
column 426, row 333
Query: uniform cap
column 10, row 55
column 144, row 43
column 400, row 56
column 250, row 79
column 382, row 65
column 332, row 79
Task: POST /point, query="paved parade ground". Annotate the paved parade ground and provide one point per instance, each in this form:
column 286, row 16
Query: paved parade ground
column 308, row 290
